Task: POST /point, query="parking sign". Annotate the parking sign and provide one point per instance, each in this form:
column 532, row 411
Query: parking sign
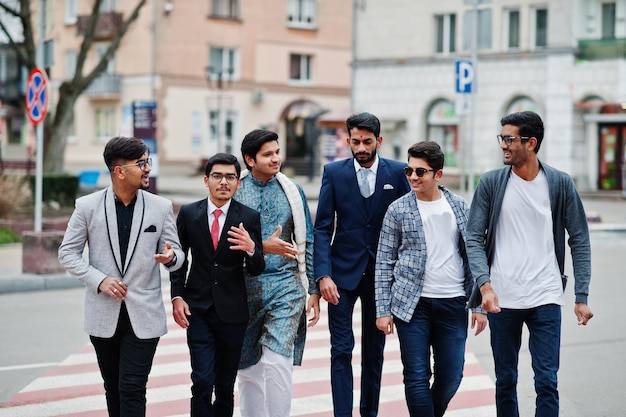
column 464, row 70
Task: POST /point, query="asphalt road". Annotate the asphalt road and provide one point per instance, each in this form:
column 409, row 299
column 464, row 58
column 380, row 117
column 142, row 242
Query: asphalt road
column 39, row 329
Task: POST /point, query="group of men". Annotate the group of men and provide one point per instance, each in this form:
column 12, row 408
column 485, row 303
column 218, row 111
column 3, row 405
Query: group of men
column 386, row 233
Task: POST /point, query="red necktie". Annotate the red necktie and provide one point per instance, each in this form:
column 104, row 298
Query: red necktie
column 215, row 227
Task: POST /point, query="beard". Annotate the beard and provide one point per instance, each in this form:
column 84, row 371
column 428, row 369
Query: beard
column 364, row 158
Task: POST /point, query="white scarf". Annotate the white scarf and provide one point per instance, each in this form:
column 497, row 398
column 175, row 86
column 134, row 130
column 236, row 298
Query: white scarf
column 299, row 220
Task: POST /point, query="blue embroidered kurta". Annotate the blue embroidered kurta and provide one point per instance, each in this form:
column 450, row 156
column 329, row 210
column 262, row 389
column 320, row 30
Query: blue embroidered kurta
column 277, row 297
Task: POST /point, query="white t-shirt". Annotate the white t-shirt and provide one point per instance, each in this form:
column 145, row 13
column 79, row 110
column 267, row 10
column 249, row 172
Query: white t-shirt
column 443, row 277
column 524, row 271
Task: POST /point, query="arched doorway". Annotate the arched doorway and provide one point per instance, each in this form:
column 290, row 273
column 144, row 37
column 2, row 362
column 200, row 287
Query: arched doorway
column 612, row 149
column 301, row 133
column 443, row 129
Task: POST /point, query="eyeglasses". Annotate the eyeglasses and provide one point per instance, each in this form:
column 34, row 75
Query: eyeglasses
column 218, row 177
column 509, row 139
column 142, row 164
column 420, row 172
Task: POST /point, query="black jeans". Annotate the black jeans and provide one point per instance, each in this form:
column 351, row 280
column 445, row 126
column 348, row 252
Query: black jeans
column 125, row 362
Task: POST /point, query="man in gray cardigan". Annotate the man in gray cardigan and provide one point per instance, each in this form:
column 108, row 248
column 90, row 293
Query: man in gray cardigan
column 516, row 248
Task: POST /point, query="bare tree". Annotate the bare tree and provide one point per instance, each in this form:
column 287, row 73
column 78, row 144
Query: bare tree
column 59, row 120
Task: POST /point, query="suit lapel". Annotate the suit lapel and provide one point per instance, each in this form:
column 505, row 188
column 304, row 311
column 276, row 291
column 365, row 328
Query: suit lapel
column 136, row 227
column 381, row 180
column 231, row 220
column 110, row 216
column 353, row 186
column 202, row 220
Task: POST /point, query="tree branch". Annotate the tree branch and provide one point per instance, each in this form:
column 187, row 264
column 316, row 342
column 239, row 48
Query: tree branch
column 104, row 61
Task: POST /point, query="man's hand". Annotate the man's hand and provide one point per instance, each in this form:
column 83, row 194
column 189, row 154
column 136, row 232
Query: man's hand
column 276, row 246
column 180, row 311
column 490, row 298
column 328, row 289
column 385, row 324
column 167, row 255
column 113, row 287
column 583, row 313
column 313, row 304
column 479, row 321
column 240, row 239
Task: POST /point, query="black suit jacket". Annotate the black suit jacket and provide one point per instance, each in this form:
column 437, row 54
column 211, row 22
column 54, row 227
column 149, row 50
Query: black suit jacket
column 216, row 277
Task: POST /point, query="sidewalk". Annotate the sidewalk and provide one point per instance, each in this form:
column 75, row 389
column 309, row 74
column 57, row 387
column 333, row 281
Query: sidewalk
column 182, row 184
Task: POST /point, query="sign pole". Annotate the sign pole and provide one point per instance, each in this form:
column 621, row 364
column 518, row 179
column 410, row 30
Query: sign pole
column 39, row 130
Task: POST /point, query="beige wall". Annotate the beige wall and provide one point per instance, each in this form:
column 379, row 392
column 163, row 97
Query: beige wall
column 183, row 39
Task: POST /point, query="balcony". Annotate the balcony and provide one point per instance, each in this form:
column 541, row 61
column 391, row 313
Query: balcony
column 108, row 24
column 106, row 85
column 597, row 49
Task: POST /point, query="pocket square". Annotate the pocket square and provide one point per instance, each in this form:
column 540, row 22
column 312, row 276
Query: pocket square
column 387, row 187
column 151, row 228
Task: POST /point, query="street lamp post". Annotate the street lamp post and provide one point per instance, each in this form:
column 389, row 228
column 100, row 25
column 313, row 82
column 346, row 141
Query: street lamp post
column 218, row 75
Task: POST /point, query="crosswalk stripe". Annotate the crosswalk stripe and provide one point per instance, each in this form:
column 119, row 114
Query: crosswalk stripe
column 74, row 388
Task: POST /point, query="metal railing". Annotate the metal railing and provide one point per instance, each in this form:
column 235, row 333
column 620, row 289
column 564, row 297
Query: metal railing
column 596, row 49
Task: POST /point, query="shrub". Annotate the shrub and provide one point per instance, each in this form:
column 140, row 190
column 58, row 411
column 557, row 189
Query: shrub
column 61, row 188
column 7, row 236
column 14, row 194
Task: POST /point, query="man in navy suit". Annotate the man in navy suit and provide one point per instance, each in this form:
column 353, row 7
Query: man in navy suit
column 212, row 303
column 354, row 197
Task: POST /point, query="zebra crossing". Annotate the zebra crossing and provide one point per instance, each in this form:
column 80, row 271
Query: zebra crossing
column 74, row 388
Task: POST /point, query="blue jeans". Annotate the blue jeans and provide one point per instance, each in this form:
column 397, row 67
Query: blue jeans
column 544, row 327
column 440, row 323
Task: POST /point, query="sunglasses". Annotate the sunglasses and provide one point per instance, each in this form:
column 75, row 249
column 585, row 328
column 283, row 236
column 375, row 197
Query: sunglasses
column 420, row 172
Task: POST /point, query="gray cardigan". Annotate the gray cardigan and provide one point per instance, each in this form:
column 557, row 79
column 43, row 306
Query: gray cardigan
column 567, row 214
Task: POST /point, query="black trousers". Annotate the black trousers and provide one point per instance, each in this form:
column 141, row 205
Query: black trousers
column 215, row 348
column 125, row 362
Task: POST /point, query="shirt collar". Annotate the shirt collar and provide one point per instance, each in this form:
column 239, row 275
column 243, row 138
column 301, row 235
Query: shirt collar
column 212, row 207
column 373, row 168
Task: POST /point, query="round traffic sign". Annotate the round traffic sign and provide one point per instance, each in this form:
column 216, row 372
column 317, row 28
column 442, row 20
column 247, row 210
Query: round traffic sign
column 37, row 96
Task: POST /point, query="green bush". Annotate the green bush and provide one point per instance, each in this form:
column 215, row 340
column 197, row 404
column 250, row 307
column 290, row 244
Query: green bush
column 62, row 188
column 7, row 236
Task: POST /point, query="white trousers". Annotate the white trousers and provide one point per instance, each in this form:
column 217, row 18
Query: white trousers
column 266, row 385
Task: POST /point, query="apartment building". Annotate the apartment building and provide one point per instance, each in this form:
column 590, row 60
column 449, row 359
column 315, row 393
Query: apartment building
column 196, row 76
column 565, row 60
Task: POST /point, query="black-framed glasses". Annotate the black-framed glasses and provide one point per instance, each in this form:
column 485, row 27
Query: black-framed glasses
column 420, row 172
column 142, row 164
column 218, row 177
column 508, row 140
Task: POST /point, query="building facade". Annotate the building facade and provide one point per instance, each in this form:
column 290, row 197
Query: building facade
column 564, row 60
column 198, row 75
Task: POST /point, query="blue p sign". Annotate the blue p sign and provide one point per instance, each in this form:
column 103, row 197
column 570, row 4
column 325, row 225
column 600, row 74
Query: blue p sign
column 464, row 76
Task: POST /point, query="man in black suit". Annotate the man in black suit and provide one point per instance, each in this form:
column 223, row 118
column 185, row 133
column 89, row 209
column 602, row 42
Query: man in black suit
column 212, row 303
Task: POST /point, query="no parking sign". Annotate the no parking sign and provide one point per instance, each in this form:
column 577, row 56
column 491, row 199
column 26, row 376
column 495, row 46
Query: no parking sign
column 37, row 96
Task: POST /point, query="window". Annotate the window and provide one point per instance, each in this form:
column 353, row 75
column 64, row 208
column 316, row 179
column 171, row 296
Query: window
column 300, row 68
column 513, row 29
column 107, row 6
column 101, row 49
column 70, row 64
column 227, row 9
column 222, row 128
column 70, row 12
column 445, row 33
column 608, row 20
column 223, row 64
column 105, row 124
column 483, row 37
column 541, row 28
column 301, row 13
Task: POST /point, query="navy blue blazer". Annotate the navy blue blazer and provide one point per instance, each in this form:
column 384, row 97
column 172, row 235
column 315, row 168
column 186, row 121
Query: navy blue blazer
column 342, row 248
column 216, row 276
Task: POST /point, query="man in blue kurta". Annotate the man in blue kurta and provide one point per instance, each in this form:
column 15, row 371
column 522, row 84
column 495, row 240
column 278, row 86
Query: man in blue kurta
column 275, row 336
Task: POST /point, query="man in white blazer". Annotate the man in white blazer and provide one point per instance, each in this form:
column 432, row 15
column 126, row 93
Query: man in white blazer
column 129, row 232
